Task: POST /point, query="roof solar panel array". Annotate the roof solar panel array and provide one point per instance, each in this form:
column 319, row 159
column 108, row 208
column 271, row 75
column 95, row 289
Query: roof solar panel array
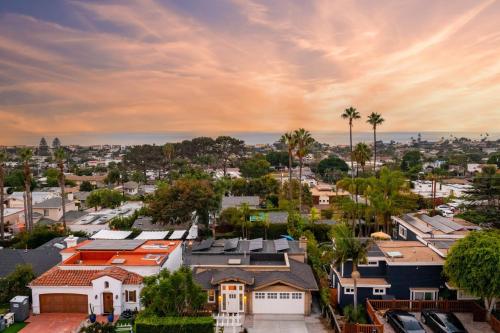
column 281, row 244
column 255, row 244
column 437, row 224
column 231, row 244
column 203, row 245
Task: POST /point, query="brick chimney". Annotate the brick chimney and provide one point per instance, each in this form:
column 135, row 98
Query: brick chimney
column 303, row 245
column 71, row 241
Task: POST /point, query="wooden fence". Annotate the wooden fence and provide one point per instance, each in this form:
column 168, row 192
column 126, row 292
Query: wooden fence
column 495, row 324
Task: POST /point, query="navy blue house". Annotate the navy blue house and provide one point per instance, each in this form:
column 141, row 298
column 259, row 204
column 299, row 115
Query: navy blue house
column 394, row 270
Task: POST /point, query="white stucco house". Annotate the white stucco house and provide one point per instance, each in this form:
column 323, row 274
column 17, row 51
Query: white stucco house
column 102, row 276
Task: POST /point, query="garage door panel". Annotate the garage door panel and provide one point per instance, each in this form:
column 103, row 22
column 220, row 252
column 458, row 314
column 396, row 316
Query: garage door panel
column 278, row 302
column 69, row 303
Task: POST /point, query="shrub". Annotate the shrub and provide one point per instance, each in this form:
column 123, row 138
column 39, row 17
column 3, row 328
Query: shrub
column 355, row 315
column 153, row 324
column 98, row 327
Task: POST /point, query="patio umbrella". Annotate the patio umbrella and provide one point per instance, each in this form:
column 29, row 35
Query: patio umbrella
column 380, row 235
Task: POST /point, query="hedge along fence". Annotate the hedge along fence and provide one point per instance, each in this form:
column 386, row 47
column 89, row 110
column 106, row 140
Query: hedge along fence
column 154, row 324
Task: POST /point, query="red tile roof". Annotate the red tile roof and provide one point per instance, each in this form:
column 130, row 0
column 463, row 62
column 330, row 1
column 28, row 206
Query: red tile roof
column 62, row 277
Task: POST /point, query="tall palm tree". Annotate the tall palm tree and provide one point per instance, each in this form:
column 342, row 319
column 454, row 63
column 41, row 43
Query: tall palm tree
column 168, row 154
column 351, row 114
column 361, row 155
column 26, row 154
column 347, row 247
column 375, row 119
column 289, row 140
column 60, row 156
column 304, row 141
column 3, row 157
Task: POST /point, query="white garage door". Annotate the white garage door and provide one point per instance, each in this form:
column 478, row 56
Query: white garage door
column 278, row 302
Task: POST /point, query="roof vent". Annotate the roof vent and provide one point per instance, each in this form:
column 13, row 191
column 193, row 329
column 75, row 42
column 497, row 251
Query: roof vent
column 118, row 261
column 234, row 261
column 395, row 254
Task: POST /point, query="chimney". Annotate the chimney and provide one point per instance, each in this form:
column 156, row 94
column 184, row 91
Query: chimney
column 71, row 241
column 303, row 245
column 70, row 196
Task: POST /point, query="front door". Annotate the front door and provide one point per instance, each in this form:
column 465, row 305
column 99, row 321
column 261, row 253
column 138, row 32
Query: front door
column 233, row 298
column 108, row 302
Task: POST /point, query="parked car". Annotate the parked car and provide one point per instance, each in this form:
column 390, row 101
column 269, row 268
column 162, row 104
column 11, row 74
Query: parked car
column 442, row 322
column 403, row 322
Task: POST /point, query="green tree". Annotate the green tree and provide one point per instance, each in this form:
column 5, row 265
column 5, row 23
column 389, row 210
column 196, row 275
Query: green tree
column 361, row 155
column 347, row 247
column 174, row 204
column 226, row 147
column 473, row 264
column 289, row 140
column 304, row 142
column 412, row 161
column 494, row 159
column 104, row 198
column 59, row 157
column 277, row 158
column 86, row 186
column 113, row 176
column 16, row 283
column 375, row 119
column 173, row 294
column 51, row 174
column 331, row 164
column 3, row 158
column 255, row 167
column 351, row 114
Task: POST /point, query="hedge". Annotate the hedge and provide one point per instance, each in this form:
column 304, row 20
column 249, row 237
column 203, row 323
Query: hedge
column 154, row 324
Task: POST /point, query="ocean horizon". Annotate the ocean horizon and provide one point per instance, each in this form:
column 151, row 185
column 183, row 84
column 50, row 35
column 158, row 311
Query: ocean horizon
column 332, row 138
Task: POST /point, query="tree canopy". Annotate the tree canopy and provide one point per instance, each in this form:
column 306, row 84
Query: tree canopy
column 105, row 198
column 473, row 264
column 173, row 294
column 412, row 161
column 330, row 165
column 255, row 167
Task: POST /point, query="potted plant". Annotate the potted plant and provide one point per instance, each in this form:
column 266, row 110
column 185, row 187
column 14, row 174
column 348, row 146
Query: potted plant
column 92, row 316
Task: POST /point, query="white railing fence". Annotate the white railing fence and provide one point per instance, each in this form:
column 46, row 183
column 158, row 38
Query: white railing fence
column 231, row 323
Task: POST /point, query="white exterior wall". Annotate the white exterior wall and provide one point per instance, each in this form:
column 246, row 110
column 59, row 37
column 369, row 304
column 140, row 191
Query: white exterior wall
column 174, row 260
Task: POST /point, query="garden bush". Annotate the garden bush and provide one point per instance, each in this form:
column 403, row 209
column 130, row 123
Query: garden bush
column 153, row 324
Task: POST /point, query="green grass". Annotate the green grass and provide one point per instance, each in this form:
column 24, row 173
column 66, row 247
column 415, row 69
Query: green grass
column 16, row 327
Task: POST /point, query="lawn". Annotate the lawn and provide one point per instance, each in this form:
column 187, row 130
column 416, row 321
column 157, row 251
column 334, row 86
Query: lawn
column 16, row 327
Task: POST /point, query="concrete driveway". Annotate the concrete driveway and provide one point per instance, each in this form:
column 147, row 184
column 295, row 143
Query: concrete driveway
column 283, row 324
column 54, row 322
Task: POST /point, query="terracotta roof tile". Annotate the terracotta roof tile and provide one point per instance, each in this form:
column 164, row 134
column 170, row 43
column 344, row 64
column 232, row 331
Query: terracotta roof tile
column 61, row 277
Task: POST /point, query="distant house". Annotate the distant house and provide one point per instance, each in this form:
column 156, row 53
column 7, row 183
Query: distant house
column 52, row 208
column 105, row 276
column 131, row 188
column 41, row 259
column 254, row 276
column 394, row 269
column 322, row 194
column 16, row 199
column 236, row 202
column 95, row 180
column 14, row 219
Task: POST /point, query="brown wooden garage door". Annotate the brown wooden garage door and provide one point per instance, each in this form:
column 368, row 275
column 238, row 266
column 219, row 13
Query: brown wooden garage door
column 73, row 303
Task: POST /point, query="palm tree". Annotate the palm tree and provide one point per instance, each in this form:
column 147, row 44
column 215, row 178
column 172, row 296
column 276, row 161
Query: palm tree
column 59, row 156
column 3, row 157
column 348, row 247
column 355, row 187
column 375, row 119
column 361, row 155
column 304, row 141
column 351, row 114
column 168, row 154
column 26, row 154
column 289, row 140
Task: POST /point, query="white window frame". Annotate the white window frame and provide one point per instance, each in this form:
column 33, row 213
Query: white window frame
column 211, row 297
column 272, row 295
column 433, row 291
column 369, row 263
column 296, row 295
column 348, row 290
column 284, row 295
column 402, row 231
column 378, row 291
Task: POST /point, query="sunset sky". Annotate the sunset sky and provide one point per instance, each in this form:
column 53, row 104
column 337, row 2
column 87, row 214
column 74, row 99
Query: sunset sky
column 219, row 66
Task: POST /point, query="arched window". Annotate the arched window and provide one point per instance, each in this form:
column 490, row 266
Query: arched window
column 106, row 284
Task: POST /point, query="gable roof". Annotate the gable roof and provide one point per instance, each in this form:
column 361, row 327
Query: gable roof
column 80, row 278
column 51, row 203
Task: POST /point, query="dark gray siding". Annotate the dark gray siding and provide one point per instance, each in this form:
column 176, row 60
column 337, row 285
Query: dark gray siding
column 402, row 278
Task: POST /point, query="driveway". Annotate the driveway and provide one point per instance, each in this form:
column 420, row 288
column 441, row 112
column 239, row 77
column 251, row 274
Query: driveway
column 284, row 324
column 54, row 322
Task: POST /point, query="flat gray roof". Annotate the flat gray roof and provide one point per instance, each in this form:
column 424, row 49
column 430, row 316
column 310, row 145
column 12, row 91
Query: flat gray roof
column 113, row 244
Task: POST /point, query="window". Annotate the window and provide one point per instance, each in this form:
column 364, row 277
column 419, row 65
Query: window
column 211, row 296
column 462, row 294
column 46, row 212
column 130, row 296
column 106, row 284
column 284, row 296
column 402, row 231
column 272, row 295
column 369, row 263
column 378, row 291
column 424, row 295
column 260, row 295
column 348, row 290
column 296, row 295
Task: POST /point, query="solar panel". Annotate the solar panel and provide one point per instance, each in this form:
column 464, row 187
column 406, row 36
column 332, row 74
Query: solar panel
column 153, row 235
column 203, row 245
column 281, row 244
column 177, row 234
column 436, row 224
column 255, row 244
column 230, row 244
column 449, row 223
column 102, row 244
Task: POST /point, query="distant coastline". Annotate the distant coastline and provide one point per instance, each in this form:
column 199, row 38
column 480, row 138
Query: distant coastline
column 332, row 138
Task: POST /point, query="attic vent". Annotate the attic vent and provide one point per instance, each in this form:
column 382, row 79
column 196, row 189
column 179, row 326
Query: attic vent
column 59, row 246
column 394, row 254
column 118, row 261
column 234, row 261
column 154, row 257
